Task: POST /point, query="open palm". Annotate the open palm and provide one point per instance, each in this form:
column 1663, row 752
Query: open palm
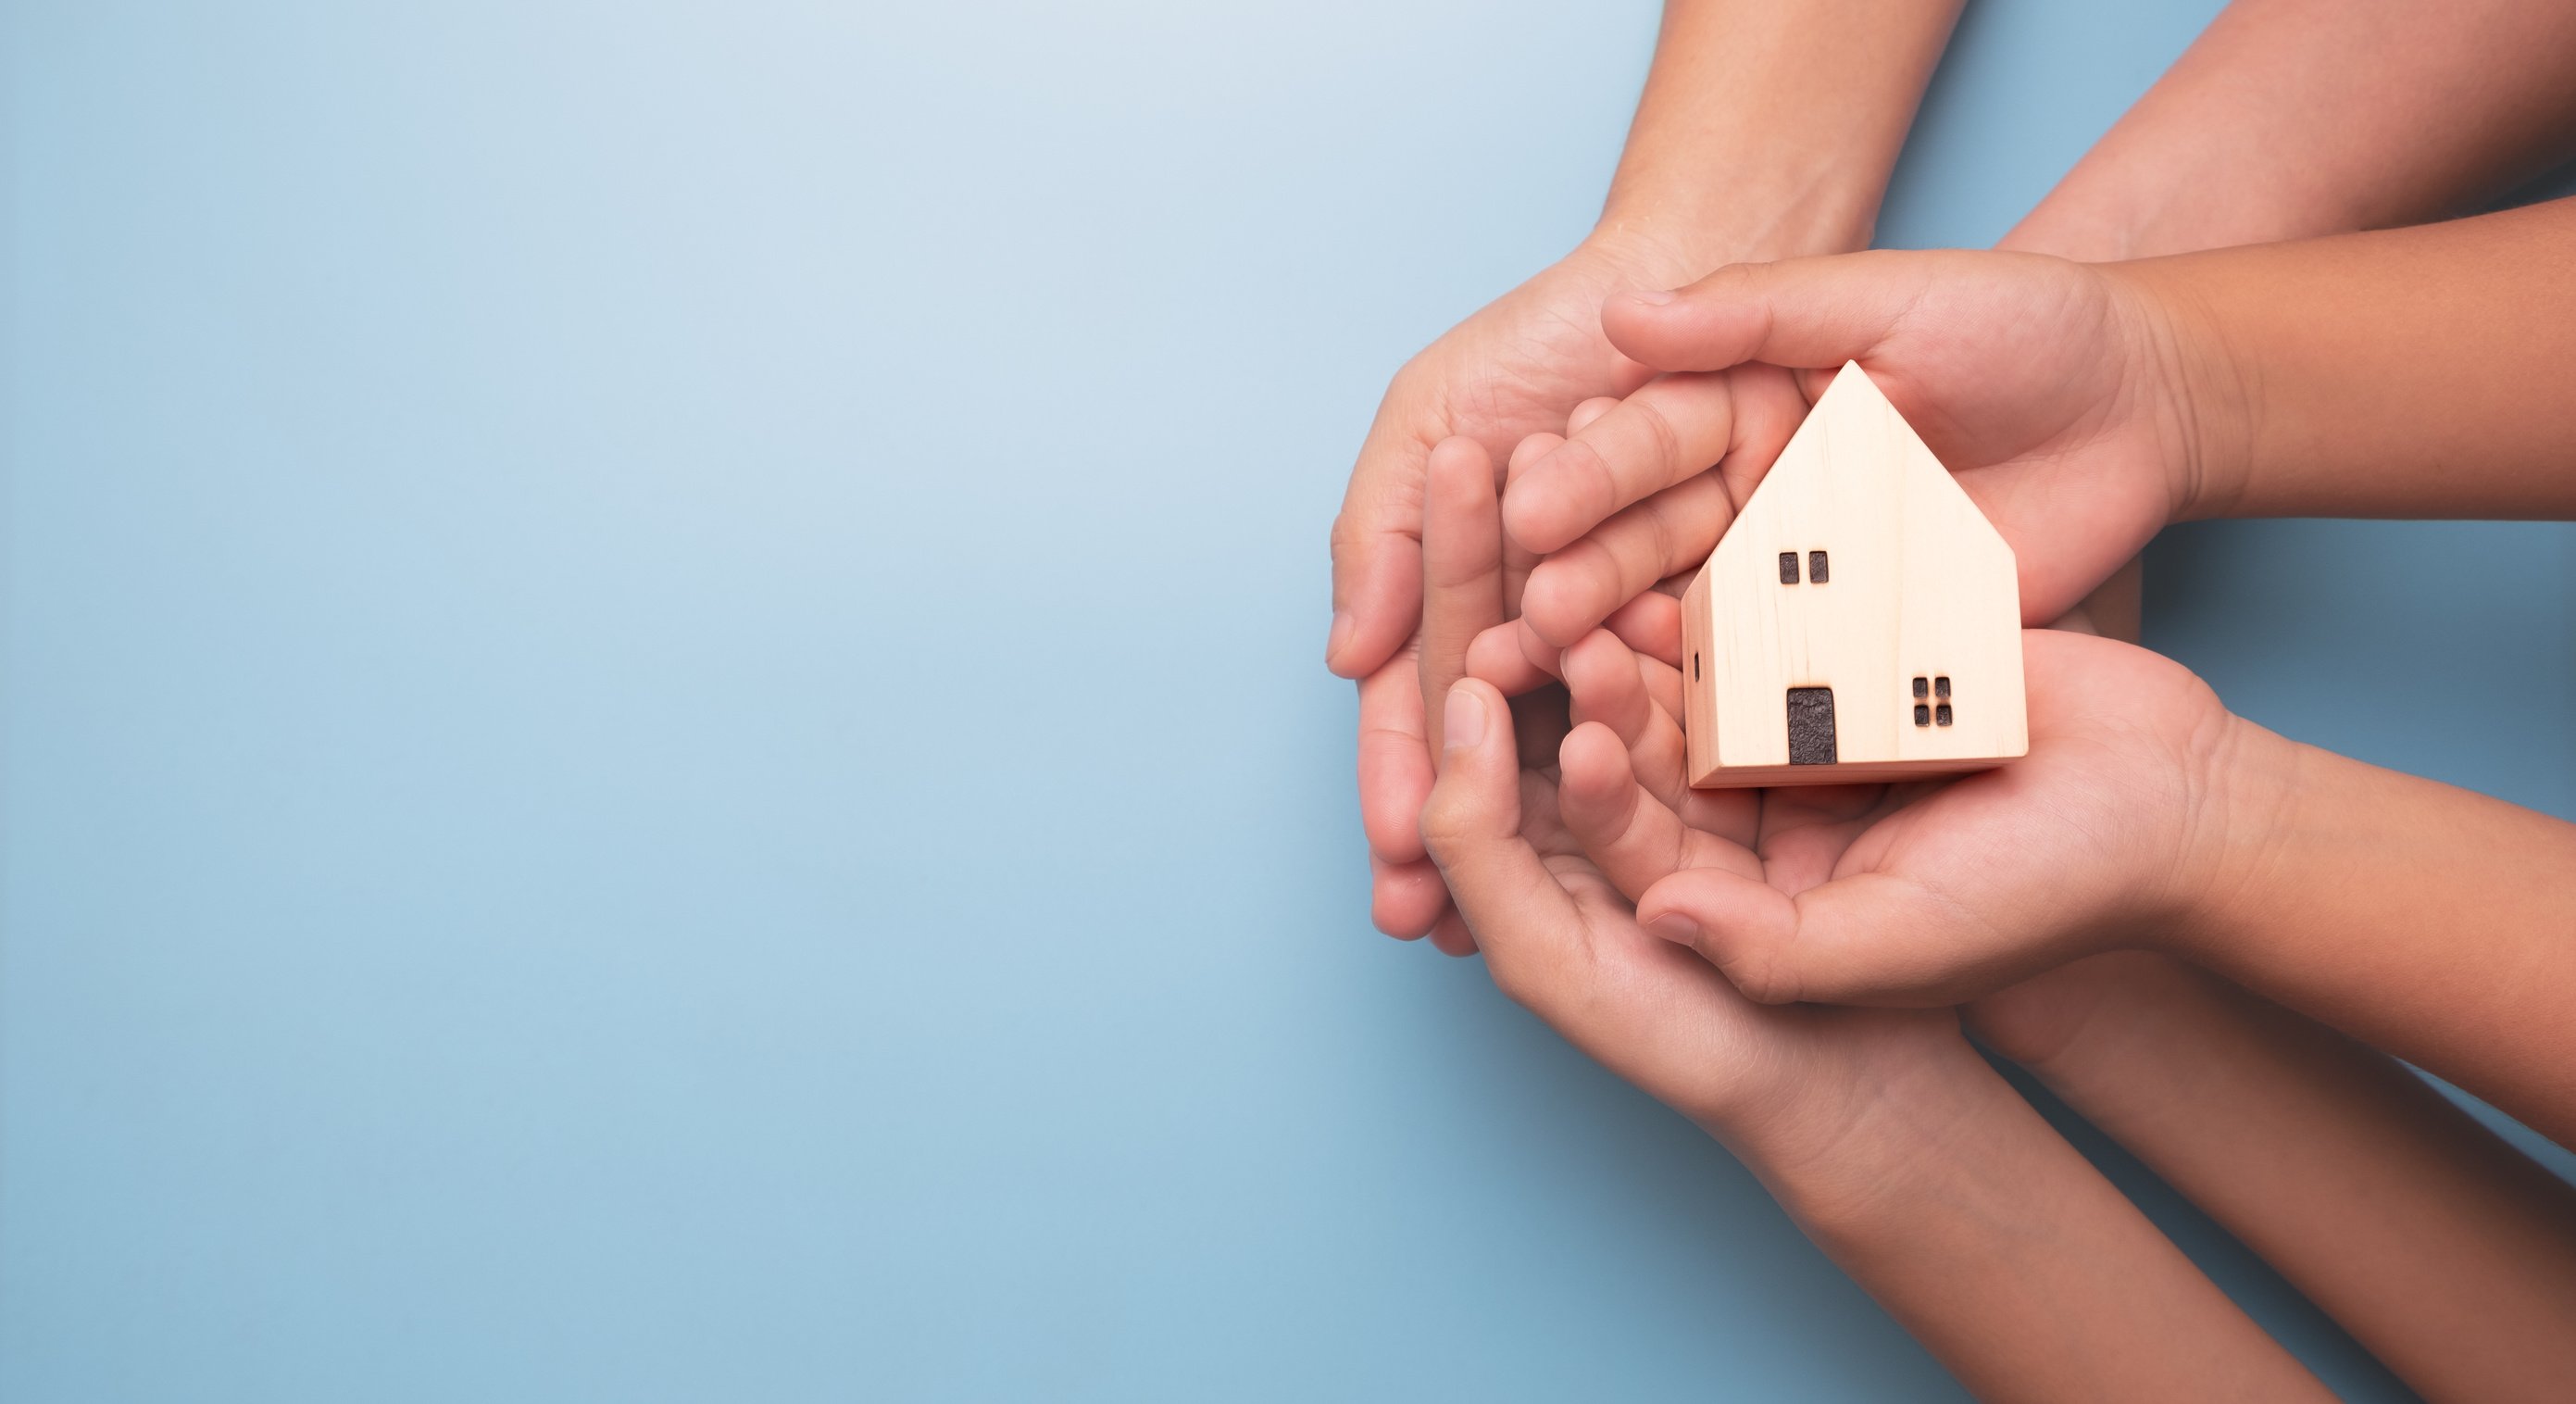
column 1519, row 835
column 1937, row 893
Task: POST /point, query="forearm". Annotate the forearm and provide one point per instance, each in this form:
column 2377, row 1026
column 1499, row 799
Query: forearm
column 2292, row 118
column 1768, row 130
column 2423, row 919
column 2403, row 373
column 2445, row 1252
column 2014, row 1262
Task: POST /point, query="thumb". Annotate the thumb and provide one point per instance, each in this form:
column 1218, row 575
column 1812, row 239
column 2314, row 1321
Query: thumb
column 1799, row 313
column 1867, row 939
column 1377, row 557
column 1472, row 826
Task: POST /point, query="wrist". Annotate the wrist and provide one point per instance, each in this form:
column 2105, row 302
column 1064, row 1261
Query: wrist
column 1878, row 1186
column 2244, row 818
column 1842, row 1153
column 1685, row 239
column 2194, row 385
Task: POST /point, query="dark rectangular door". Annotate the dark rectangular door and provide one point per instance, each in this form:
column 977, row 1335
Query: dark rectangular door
column 1811, row 726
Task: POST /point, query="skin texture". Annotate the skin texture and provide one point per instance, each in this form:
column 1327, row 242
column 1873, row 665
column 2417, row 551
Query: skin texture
column 1728, row 158
column 1915, row 859
column 2291, row 119
column 2334, row 1162
column 1898, row 1149
column 2220, row 847
column 2288, row 119
column 2356, row 376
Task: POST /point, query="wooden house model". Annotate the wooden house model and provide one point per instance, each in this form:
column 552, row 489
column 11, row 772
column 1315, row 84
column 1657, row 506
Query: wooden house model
column 1860, row 621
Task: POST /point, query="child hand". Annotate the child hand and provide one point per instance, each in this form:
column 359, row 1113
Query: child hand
column 1514, row 368
column 2055, row 391
column 2121, row 822
column 1778, row 1085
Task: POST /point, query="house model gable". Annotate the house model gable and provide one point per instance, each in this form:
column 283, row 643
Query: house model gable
column 1859, row 622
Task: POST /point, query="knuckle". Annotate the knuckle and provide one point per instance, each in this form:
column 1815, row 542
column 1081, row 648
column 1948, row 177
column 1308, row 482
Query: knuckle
column 1448, row 827
column 1663, row 456
column 1590, row 476
column 1754, row 968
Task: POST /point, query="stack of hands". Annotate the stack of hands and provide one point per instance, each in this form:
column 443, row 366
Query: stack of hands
column 2197, row 931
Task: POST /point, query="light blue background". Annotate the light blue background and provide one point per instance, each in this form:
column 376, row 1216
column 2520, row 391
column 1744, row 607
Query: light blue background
column 664, row 737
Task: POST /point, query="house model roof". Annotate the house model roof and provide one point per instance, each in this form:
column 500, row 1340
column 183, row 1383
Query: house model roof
column 1860, row 620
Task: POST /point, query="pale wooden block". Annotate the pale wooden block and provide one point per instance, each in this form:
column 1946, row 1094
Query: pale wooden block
column 1918, row 584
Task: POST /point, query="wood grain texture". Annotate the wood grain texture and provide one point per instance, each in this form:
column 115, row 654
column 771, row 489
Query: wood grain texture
column 1919, row 586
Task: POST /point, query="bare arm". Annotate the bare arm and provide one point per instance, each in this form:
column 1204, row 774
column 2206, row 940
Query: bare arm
column 1773, row 127
column 2293, row 118
column 1766, row 129
column 2403, row 373
column 2025, row 1271
column 2444, row 1251
column 2430, row 921
column 1889, row 1141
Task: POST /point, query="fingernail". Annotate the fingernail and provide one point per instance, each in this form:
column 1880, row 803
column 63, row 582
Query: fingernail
column 1342, row 626
column 1462, row 719
column 1655, row 297
column 1674, row 927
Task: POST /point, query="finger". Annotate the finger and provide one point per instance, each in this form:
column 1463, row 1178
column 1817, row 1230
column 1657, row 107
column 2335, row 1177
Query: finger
column 1536, row 652
column 1472, row 829
column 1394, row 761
column 1800, row 312
column 1405, row 899
column 1589, row 411
column 1611, row 685
column 1663, row 681
column 1673, row 428
column 1451, row 936
column 1496, row 657
column 1572, row 592
column 1518, row 563
column 1602, row 676
column 1651, row 624
column 1627, row 833
column 1868, row 939
column 1377, row 553
column 1462, row 564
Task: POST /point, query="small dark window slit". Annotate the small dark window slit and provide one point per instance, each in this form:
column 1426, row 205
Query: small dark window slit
column 1788, row 567
column 1941, row 714
column 1817, row 574
column 1922, row 687
column 1940, row 687
column 1811, row 726
column 1694, row 667
column 1922, row 715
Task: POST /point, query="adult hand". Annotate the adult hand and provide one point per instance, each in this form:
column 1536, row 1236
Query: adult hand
column 1515, row 368
column 1559, row 935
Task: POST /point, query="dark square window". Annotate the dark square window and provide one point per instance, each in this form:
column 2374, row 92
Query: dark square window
column 1788, row 567
column 1940, row 687
column 1922, row 687
column 1923, row 714
column 1817, row 572
column 1942, row 716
